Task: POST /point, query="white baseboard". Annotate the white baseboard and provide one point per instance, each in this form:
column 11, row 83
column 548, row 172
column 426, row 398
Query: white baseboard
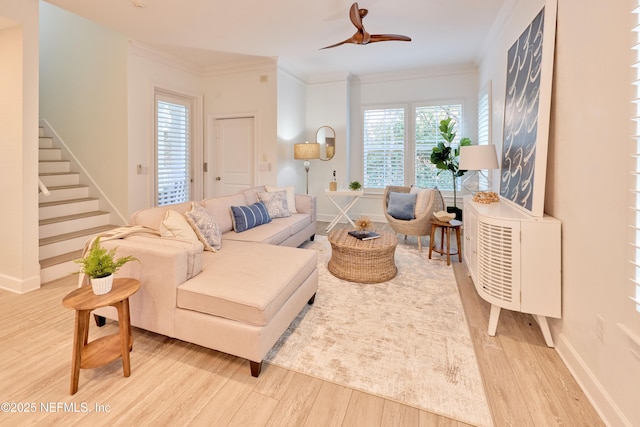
column 19, row 286
column 592, row 388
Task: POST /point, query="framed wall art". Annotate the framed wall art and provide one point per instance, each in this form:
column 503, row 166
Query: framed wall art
column 527, row 113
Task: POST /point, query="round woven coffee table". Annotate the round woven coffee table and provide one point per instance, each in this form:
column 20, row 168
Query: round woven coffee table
column 362, row 261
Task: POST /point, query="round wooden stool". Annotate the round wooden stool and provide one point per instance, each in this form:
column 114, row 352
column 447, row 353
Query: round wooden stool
column 445, row 227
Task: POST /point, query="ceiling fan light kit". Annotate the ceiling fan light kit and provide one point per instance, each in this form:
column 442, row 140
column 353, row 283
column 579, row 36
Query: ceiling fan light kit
column 362, row 36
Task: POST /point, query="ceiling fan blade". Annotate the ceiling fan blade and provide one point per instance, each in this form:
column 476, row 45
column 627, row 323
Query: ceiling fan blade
column 349, row 40
column 356, row 16
column 388, row 37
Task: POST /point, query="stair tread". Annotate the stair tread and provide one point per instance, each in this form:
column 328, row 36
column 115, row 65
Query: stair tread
column 71, row 217
column 64, row 202
column 56, row 173
column 73, row 235
column 66, row 187
column 60, row 259
column 52, row 161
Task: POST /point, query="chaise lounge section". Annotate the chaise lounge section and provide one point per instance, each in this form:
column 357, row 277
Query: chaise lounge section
column 237, row 300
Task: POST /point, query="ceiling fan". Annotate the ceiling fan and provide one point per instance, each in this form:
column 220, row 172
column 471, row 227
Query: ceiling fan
column 362, row 36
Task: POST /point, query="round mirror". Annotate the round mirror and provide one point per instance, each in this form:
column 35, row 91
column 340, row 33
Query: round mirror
column 326, row 137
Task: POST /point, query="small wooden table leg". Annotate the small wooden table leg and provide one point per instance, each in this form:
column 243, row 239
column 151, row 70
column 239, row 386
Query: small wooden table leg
column 459, row 244
column 431, row 237
column 79, row 341
column 448, row 248
column 125, row 335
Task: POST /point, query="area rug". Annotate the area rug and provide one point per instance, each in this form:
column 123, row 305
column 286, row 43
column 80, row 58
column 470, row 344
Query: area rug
column 406, row 340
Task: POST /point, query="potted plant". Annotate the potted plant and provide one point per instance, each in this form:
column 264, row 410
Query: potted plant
column 446, row 158
column 355, row 185
column 100, row 264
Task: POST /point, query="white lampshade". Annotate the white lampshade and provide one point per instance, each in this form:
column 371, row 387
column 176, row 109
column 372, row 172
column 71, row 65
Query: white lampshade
column 306, row 151
column 478, row 157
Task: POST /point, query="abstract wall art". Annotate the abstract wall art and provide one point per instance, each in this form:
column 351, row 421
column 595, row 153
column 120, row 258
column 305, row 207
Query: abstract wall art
column 527, row 113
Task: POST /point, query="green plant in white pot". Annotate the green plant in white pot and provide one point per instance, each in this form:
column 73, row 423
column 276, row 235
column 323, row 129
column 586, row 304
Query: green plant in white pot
column 100, row 265
column 446, row 158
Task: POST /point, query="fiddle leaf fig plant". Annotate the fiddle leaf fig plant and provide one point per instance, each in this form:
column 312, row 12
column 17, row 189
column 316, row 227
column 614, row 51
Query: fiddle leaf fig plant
column 445, row 157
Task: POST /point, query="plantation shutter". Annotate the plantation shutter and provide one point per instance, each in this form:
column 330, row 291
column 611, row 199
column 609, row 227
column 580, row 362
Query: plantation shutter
column 384, row 141
column 484, row 115
column 173, row 150
column 635, row 279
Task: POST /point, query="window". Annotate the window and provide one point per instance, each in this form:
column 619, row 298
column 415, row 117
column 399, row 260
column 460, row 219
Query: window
column 173, row 149
column 397, row 145
column 384, row 147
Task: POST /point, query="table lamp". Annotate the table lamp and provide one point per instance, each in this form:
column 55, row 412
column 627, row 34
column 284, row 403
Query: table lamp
column 477, row 159
column 306, row 151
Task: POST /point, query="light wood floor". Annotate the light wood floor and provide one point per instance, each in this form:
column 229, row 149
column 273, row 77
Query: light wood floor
column 177, row 383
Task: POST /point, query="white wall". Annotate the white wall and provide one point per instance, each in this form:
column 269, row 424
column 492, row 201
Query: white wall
column 248, row 91
column 19, row 268
column 292, row 113
column 328, row 105
column 84, row 96
column 586, row 183
column 147, row 71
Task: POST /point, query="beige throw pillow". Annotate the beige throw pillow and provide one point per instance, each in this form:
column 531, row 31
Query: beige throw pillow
column 291, row 196
column 175, row 225
column 424, row 198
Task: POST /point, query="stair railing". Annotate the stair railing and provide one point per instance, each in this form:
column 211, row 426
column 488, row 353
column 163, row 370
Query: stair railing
column 43, row 188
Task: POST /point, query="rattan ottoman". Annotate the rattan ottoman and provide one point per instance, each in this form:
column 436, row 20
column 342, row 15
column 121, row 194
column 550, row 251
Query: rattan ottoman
column 362, row 261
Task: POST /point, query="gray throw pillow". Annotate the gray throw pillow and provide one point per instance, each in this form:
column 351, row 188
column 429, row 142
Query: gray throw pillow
column 276, row 203
column 402, row 205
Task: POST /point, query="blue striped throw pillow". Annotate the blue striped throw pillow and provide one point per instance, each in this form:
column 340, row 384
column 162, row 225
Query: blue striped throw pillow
column 246, row 217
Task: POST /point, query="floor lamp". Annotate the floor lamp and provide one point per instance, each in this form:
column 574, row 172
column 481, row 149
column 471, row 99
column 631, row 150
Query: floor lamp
column 306, row 151
column 477, row 159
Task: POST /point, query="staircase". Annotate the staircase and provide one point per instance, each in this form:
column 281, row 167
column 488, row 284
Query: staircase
column 68, row 217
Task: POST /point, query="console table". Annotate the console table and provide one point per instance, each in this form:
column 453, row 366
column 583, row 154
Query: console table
column 514, row 260
column 352, row 196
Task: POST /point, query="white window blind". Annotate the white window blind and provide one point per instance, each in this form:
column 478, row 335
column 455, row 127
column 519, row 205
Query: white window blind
column 173, row 150
column 635, row 292
column 427, row 135
column 384, row 147
column 484, row 115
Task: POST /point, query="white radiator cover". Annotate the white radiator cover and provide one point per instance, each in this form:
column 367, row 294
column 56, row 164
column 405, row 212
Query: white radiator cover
column 513, row 258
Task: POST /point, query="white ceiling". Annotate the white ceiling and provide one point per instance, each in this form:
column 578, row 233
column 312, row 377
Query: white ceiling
column 210, row 33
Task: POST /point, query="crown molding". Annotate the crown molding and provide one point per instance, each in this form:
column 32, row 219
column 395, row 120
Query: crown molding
column 145, row 51
column 263, row 64
column 419, row 73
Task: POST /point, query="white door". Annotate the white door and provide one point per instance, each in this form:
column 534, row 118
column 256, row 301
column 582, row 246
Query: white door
column 234, row 156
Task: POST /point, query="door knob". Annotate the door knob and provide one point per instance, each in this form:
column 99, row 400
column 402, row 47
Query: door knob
column 218, row 178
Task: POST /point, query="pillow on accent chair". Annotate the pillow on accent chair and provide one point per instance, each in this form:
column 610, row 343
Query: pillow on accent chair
column 424, row 197
column 175, row 225
column 291, row 195
column 246, row 217
column 276, row 203
column 205, row 227
column 402, row 205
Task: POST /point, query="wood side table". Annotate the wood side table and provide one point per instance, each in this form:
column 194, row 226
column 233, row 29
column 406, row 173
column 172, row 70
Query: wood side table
column 87, row 355
column 445, row 227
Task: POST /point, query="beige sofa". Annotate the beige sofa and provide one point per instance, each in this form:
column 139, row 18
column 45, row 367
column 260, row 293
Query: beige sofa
column 238, row 300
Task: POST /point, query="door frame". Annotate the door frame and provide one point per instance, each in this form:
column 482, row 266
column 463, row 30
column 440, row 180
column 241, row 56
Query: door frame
column 210, row 148
column 197, row 175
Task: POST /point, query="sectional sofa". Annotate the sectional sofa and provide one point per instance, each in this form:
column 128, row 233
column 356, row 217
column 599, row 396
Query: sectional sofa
column 238, row 297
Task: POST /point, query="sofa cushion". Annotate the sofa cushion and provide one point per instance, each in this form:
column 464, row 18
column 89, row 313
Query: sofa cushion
column 291, row 196
column 251, row 194
column 247, row 217
column 152, row 217
column 205, row 227
column 276, row 203
column 271, row 233
column 219, row 208
column 227, row 288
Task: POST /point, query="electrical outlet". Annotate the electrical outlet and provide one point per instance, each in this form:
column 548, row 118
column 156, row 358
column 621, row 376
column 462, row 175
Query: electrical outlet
column 600, row 328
